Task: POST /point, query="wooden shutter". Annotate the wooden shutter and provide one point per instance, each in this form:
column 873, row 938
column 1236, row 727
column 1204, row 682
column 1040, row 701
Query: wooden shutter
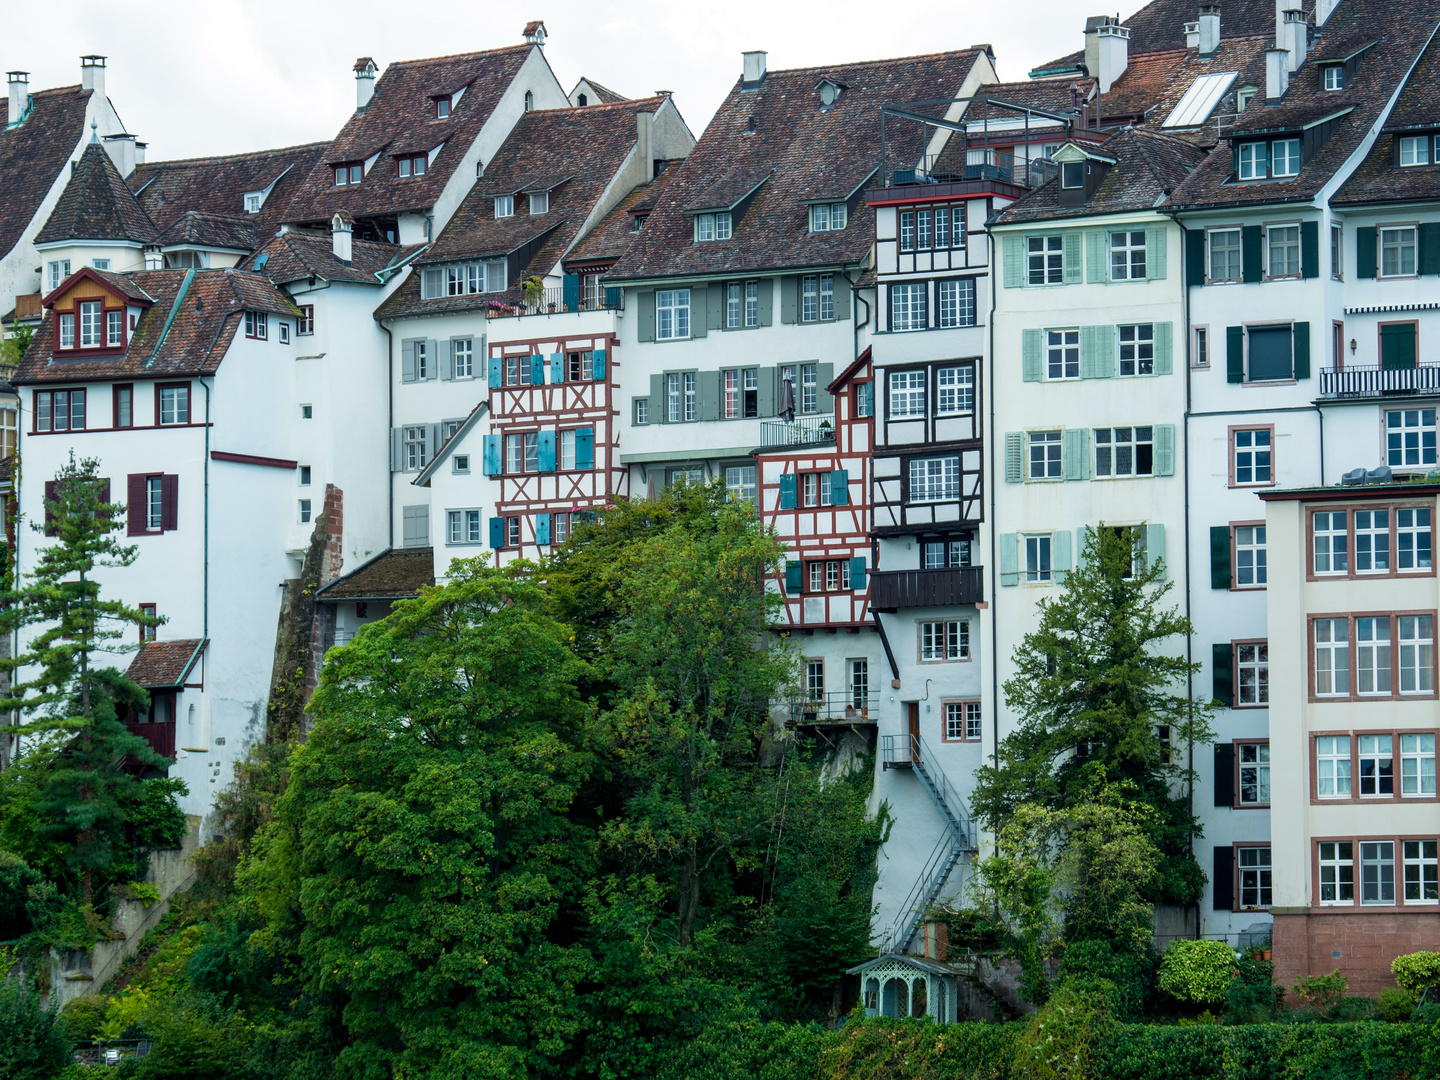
column 1397, row 346
column 495, row 368
column 597, row 361
column 1154, row 544
column 1309, row 249
column 1428, row 241
column 839, row 487
column 1222, row 881
column 789, row 298
column 766, row 295
column 699, row 301
column 557, row 368
column 447, row 359
column 492, row 455
column 135, row 503
column 497, row 532
column 709, row 387
column 1032, row 349
column 397, row 451
column 1009, row 559
column 765, row 395
column 1097, row 352
column 169, row 502
column 1224, row 768
column 1301, row 332
column 1195, row 257
column 787, row 491
column 1235, row 354
column 1252, row 262
column 1075, row 453
column 715, row 307
column 1096, row 268
column 1164, row 464
column 1014, row 457
column 434, row 436
column 1060, row 556
column 432, row 354
column 1070, row 269
column 1155, row 253
column 570, row 291
column 545, row 450
column 1014, row 261
column 645, row 315
column 657, row 399
column 51, row 487
column 824, row 376
column 542, row 528
column 537, row 370
column 1220, row 556
column 842, row 298
column 793, row 580
column 585, row 448
column 407, row 361
column 1366, row 242
column 1164, row 349
column 857, row 573
column 1222, row 672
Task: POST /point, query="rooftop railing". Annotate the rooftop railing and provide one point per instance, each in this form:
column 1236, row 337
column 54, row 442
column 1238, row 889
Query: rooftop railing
column 1372, row 380
column 555, row 301
column 798, row 432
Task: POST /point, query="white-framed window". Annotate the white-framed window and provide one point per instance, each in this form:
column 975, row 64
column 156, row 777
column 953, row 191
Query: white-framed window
column 257, row 325
column 101, row 264
column 809, row 489
column 305, row 325
column 1072, row 175
column 674, row 398
column 59, row 271
column 1336, row 860
column 1062, row 353
column 1332, row 766
column 923, row 238
column 955, row 720
column 1224, row 254
column 91, row 317
column 907, row 230
column 945, row 640
column 1377, row 765
column 460, row 463
column 307, row 412
column 1254, row 759
column 827, row 297
column 462, row 353
column 934, row 479
column 907, row 306
column 512, row 532
column 304, row 511
column 815, row 680
column 1250, row 569
column 732, row 305
column 1332, row 544
column 1415, row 150
column 944, row 554
column 1127, row 451
column 907, row 394
column 504, row 206
column 1397, row 252
column 973, row 728
column 954, row 390
column 827, row 217
column 810, row 298
column 1046, row 450
column 1422, row 871
column 1337, row 247
column 1332, row 658
column 691, row 404
column 1252, row 456
column 1377, row 871
column 741, row 482
column 710, row 227
column 956, row 301
column 413, row 445
column 67, row 330
column 539, row 203
column 1255, row 880
column 1137, row 349
column 1285, row 157
column 809, row 388
column 1037, row 558
column 1127, row 255
column 730, row 394
column 1334, row 77
column 1372, row 541
column 1253, row 160
column 752, row 303
column 1417, row 654
column 115, row 329
column 304, row 475
column 284, row 328
column 175, row 404
column 672, row 314
column 1252, row 667
column 1046, row 259
column 1409, row 438
column 1283, row 246
column 1417, row 765
column 859, row 683
column 560, row 525
column 567, row 449
column 1372, row 656
column 154, row 503
column 1413, row 539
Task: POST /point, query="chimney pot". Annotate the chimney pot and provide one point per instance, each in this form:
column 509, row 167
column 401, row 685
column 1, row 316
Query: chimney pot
column 123, row 150
column 364, row 82
column 1107, row 50
column 1208, row 26
column 92, row 74
column 19, row 94
column 1192, row 35
column 1296, row 35
column 341, row 235
column 754, row 70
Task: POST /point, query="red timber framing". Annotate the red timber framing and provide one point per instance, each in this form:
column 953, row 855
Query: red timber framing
column 828, row 541
column 574, row 402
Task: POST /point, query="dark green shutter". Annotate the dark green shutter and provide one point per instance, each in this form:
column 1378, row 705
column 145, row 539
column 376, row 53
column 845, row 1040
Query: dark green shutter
column 1222, row 670
column 792, row 578
column 645, row 309
column 1224, row 772
column 839, row 487
column 1222, row 881
column 787, row 491
column 570, row 283
column 1301, row 331
column 1195, row 257
column 1252, row 263
column 1365, row 241
column 1220, row 556
column 1309, row 249
column 1397, row 346
column 1430, row 248
column 1235, row 354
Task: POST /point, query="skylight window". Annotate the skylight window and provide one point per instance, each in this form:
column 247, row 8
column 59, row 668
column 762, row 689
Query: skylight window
column 1200, row 100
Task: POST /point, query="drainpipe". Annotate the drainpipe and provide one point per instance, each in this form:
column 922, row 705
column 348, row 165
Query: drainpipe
column 205, row 604
column 994, row 552
column 390, row 408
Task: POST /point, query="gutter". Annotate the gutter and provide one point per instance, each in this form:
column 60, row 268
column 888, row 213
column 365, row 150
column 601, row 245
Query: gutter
column 389, row 438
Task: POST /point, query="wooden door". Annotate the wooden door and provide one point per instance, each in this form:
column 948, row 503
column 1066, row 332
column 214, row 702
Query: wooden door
column 914, row 708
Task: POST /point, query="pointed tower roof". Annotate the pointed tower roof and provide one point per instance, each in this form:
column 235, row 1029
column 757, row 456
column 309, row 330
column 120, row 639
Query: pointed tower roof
column 96, row 205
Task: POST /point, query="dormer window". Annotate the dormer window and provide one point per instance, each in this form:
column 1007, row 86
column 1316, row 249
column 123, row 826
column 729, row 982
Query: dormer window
column 1243, row 97
column 442, row 108
column 539, row 202
column 1279, row 159
column 504, row 206
column 638, row 223
column 1254, row 161
column 349, row 174
column 1415, row 150
column 829, row 93
column 1335, row 77
column 253, row 200
column 709, row 227
column 1072, row 175
column 827, row 217
column 411, row 165
column 1285, row 157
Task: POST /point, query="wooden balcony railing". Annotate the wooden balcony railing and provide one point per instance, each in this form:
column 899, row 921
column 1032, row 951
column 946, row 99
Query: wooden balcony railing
column 891, row 590
column 161, row 737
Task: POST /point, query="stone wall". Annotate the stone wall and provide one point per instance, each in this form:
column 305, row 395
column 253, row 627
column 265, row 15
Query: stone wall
column 1361, row 944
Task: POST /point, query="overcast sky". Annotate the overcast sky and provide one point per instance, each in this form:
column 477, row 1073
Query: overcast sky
column 225, row 76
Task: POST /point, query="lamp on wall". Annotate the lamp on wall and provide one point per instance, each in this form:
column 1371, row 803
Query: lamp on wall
column 1352, row 346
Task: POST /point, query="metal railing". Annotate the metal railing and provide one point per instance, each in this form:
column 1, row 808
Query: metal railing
column 923, row 894
column 838, row 706
column 798, row 432
column 554, row 301
column 1372, row 380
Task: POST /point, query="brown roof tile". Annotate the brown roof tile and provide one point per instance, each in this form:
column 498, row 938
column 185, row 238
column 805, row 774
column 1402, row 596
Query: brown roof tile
column 163, row 665
column 96, row 205
column 604, row 93
column 295, row 255
column 391, row 575
column 1379, row 179
column 210, row 230
column 32, row 155
column 1153, row 84
column 616, row 232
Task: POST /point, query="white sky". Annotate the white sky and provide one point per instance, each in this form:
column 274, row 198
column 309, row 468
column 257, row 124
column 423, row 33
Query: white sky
column 224, row 76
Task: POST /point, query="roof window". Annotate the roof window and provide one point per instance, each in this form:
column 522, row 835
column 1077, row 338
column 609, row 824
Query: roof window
column 411, row 165
column 504, row 206
column 827, row 217
column 442, row 108
column 1334, row 77
column 253, row 201
column 709, row 227
column 539, row 202
column 349, row 173
column 1072, row 174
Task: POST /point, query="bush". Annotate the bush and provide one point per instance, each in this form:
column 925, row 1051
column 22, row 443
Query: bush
column 33, row 1042
column 1252, row 996
column 1197, row 971
column 1132, row 976
column 1323, row 993
column 1417, row 971
column 1395, row 1005
column 1061, row 1040
column 83, row 1016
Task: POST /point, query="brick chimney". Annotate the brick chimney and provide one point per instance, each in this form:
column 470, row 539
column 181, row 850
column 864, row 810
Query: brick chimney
column 937, row 940
column 364, row 82
column 19, row 94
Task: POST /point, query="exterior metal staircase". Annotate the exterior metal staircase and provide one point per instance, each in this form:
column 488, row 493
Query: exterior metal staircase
column 958, row 839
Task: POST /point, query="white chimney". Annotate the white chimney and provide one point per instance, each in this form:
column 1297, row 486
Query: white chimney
column 121, row 149
column 364, row 82
column 140, row 153
column 341, row 234
column 1209, row 27
column 1192, row 35
column 754, row 69
column 1112, row 45
column 1323, row 10
column 1277, row 73
column 642, row 142
column 92, row 74
column 19, row 94
column 1281, row 6
column 1295, row 37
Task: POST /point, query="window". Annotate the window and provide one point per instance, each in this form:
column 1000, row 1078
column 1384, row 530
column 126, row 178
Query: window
column 827, row 217
column 750, row 381
column 1332, row 658
column 1334, row 77
column 741, row 482
column 114, row 328
column 945, row 640
column 827, row 297
column 956, row 299
column 907, row 394
column 147, row 633
column 934, row 479
column 922, row 229
column 305, row 324
column 859, row 683
column 257, row 325
column 954, row 390
column 689, row 397
column 732, row 305
column 567, row 450
column 1253, row 160
column 560, row 528
column 304, row 476
column 304, row 511
column 712, row 227
column 504, row 206
column 1377, row 765
column 539, row 202
column 67, row 331
column 1037, row 558
column 462, row 354
column 154, row 503
column 462, row 526
column 60, row 410
column 1372, row 541
column 1332, row 766
column 307, row 412
column 1415, row 151
column 642, row 412
column 944, row 554
column 907, row 230
column 348, row 174
column 1126, row 451
column 1072, row 175
column 1422, row 872
column 1337, row 872
column 1254, row 762
column 1045, row 455
column 809, row 389
column 442, row 108
column 672, row 314
column 414, row 448
column 1377, row 872
column 1062, row 354
column 1337, row 243
column 907, row 306
column 809, row 489
column 809, row 299
column 1412, row 538
column 962, row 720
column 730, row 390
column 1127, row 255
column 1417, row 654
column 101, row 264
column 529, row 106
column 410, row 165
column 1250, row 570
column 580, row 366
column 1285, row 157
column 1137, row 349
column 1252, row 456
column 752, row 303
column 1046, row 259
column 1332, row 545
column 1417, row 765
column 284, row 332
column 175, row 404
column 1255, row 877
column 864, row 399
column 1284, row 250
column 1409, row 438
column 1252, row 666
column 91, row 312
column 59, row 271
column 815, row 680
column 460, row 463
column 1372, row 656
column 1397, row 252
column 817, row 577
column 673, row 400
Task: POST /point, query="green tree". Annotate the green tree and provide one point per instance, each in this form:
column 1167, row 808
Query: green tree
column 1094, row 686
column 12, row 349
column 33, row 1042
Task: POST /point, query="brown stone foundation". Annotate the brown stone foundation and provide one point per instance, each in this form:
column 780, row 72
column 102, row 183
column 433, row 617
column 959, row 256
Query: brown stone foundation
column 1305, row 944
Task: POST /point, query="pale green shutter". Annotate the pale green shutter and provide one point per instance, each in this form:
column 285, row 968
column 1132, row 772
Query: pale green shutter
column 709, row 395
column 1060, row 554
column 788, row 298
column 1075, row 453
column 766, row 296
column 824, row 376
column 1014, row 457
column 645, row 315
column 1164, row 348
column 699, row 301
column 1096, row 269
column 1070, row 260
column 1014, row 261
column 1155, row 253
column 1097, row 352
column 1009, row 559
column 1154, row 544
column 1031, row 352
column 1164, row 449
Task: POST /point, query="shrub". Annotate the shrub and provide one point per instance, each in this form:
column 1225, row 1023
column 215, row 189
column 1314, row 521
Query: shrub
column 1130, row 974
column 1417, row 971
column 1197, row 971
column 1396, row 1005
column 1252, row 996
column 83, row 1016
column 34, row 1044
column 1062, row 1039
column 143, row 891
column 1322, row 992
column 125, row 1012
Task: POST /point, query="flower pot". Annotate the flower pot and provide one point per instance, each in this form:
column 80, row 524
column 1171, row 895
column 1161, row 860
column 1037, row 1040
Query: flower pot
column 1265, row 954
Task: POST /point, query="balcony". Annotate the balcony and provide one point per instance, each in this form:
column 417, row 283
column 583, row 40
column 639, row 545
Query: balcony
column 520, row 302
column 891, row 590
column 841, row 708
column 1371, row 380
column 802, row 431
column 161, row 737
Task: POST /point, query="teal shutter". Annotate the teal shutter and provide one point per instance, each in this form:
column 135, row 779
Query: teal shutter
column 1164, row 464
column 585, row 448
column 1154, row 544
column 1070, row 258
column 1014, row 261
column 1075, row 453
column 557, row 368
column 1309, row 249
column 612, row 298
column 787, row 491
column 1195, row 257
column 497, row 533
column 598, row 360
column 1009, row 559
column 494, row 371
column 1060, row 557
column 793, row 583
column 542, row 528
column 1155, row 253
column 1096, row 270
column 1366, row 242
column 1301, row 331
column 839, row 487
column 789, row 298
column 645, row 315
column 545, row 445
column 1031, row 349
column 1097, row 352
column 570, row 284
column 1252, row 264
column 1164, row 349
column 857, row 573
column 1222, row 669
column 1014, row 457
column 1219, row 556
column 537, row 371
column 492, row 455
column 709, row 395
column 1235, row 354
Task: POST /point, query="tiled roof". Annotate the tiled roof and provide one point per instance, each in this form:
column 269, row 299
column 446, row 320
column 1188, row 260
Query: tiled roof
column 32, row 155
column 1149, row 165
column 401, row 117
column 391, row 575
column 1379, row 179
column 210, row 230
column 604, row 93
column 163, row 665
column 1049, row 95
column 217, row 185
column 295, row 255
column 810, row 152
column 616, row 232
column 96, row 205
column 205, row 322
column 1153, row 84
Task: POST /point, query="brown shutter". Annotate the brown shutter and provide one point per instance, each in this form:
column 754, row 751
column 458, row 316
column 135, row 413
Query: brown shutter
column 135, row 509
column 169, row 502
column 102, row 489
column 50, row 486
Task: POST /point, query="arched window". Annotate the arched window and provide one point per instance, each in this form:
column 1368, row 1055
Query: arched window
column 894, row 1000
column 584, row 100
column 529, row 101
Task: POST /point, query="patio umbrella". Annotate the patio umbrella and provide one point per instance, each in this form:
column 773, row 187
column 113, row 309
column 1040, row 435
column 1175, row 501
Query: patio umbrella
column 787, row 401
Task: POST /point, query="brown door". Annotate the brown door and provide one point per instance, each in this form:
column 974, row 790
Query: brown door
column 914, row 707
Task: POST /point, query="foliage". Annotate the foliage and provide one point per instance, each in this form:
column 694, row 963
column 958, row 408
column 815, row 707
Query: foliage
column 143, row 891
column 1131, row 973
column 1197, row 971
column 1061, row 1040
column 1252, row 996
column 1417, row 971
column 1395, row 1005
column 1321, row 992
column 34, row 1044
column 83, row 1016
column 245, row 806
column 12, row 349
column 17, row 878
column 1092, row 686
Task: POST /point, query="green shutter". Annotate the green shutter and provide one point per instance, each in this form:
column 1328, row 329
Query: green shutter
column 545, row 450
column 709, row 395
column 1031, row 348
column 787, row 491
column 497, row 532
column 1397, row 346
column 1014, row 261
column 1154, row 544
column 1096, row 267
column 1097, row 352
column 715, row 307
column 842, row 298
column 1252, row 263
column 1014, row 457
column 788, row 298
column 1235, row 354
column 1429, row 254
column 1060, row 556
column 585, row 448
column 1164, row 450
column 1222, row 669
column 1309, row 249
column 766, row 295
column 1155, row 253
column 1195, row 257
column 407, row 361
column 824, row 376
column 557, row 368
column 1366, row 241
column 1009, row 559
column 491, row 451
column 839, row 487
column 1075, row 453
column 1301, row 331
column 1164, row 348
column 793, row 581
column 495, row 368
column 537, row 370
column 1070, row 257
column 857, row 573
column 657, row 399
column 698, row 303
column 645, row 312
column 1219, row 556
column 765, row 396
